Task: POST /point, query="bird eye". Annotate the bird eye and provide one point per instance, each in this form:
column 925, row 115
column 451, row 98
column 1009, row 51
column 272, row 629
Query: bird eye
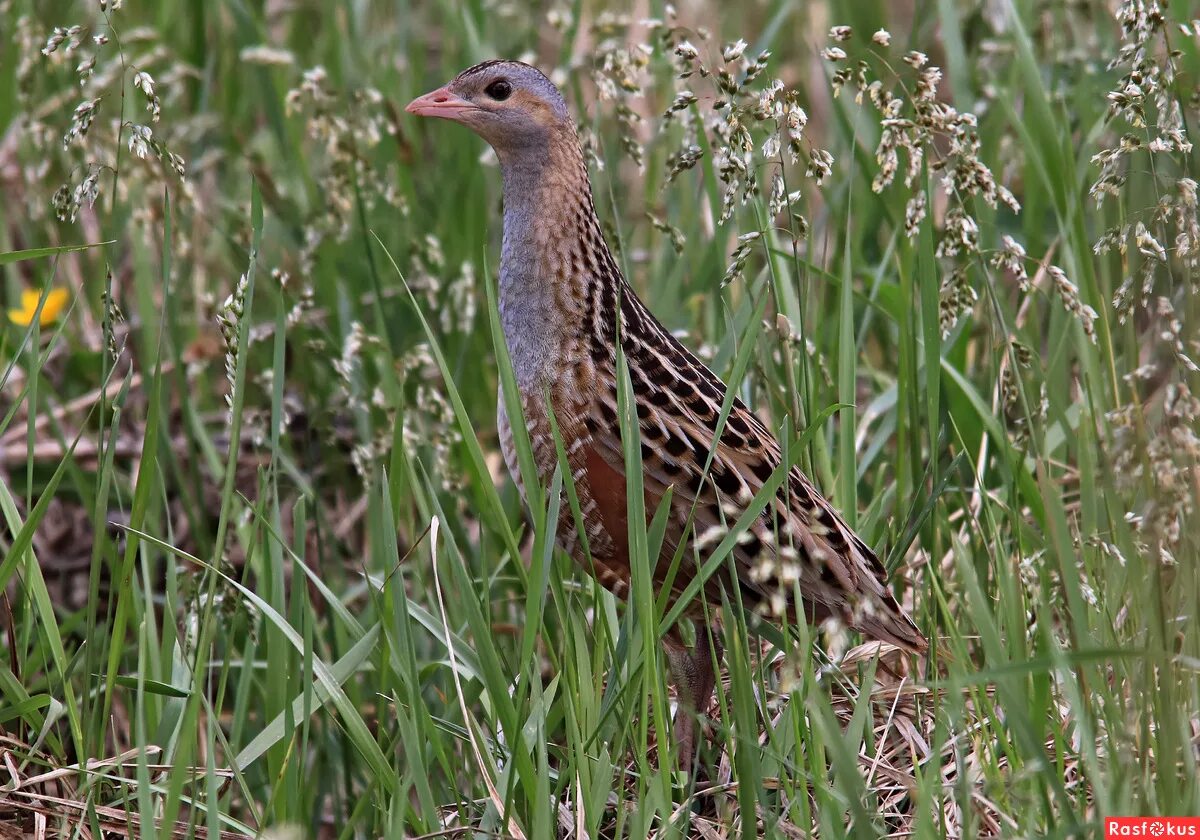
column 499, row 90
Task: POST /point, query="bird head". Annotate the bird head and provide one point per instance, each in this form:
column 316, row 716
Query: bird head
column 510, row 104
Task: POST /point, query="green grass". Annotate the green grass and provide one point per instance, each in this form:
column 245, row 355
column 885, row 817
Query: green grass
column 293, row 586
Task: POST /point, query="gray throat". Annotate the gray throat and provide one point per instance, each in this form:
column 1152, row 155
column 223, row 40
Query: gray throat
column 530, row 313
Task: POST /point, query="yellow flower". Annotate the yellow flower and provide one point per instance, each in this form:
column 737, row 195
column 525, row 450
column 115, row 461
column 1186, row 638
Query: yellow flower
column 55, row 301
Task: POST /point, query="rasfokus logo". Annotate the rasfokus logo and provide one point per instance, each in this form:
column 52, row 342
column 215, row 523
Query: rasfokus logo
column 1151, row 827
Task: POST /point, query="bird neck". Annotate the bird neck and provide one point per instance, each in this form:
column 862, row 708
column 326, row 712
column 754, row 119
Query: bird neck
column 554, row 261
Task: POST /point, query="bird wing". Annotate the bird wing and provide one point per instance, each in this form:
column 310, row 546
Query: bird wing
column 798, row 537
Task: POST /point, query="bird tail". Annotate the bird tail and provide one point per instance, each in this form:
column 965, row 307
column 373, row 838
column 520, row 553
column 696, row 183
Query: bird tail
column 882, row 618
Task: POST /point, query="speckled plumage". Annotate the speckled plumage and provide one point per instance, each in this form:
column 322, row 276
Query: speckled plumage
column 561, row 292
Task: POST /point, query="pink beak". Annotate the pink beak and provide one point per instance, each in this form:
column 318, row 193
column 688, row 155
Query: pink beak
column 440, row 103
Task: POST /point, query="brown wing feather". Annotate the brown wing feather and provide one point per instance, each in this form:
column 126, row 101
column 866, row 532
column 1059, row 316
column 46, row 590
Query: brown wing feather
column 799, row 537
column 607, row 487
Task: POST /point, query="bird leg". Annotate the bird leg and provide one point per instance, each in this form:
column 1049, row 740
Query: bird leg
column 694, row 677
